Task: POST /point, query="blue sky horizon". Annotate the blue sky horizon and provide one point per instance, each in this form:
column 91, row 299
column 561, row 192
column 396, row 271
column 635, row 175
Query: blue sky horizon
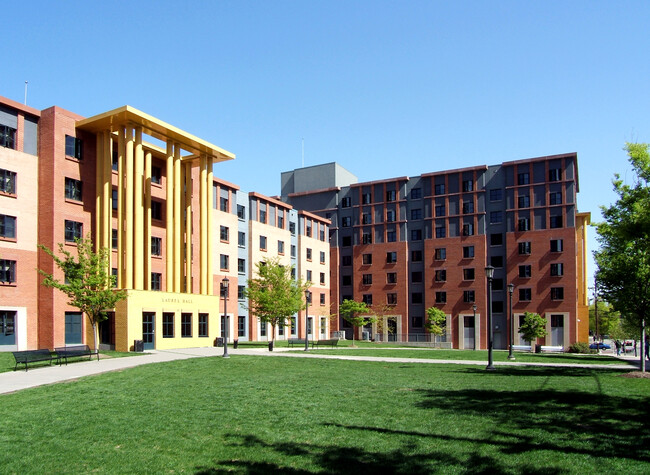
column 384, row 88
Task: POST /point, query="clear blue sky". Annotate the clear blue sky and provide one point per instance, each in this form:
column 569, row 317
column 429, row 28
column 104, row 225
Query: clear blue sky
column 385, row 88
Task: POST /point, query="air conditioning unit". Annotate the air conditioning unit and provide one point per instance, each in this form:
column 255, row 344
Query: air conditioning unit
column 340, row 335
column 365, row 336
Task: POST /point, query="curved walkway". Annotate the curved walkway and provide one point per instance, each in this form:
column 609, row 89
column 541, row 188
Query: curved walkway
column 12, row 381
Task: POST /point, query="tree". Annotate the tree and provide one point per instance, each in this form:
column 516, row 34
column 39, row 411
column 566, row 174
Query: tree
column 88, row 283
column 274, row 296
column 608, row 318
column 623, row 259
column 533, row 326
column 358, row 314
column 436, row 320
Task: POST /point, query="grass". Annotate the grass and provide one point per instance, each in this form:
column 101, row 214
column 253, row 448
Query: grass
column 259, row 415
column 7, row 361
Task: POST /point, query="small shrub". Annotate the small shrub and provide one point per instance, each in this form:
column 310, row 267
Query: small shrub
column 580, row 347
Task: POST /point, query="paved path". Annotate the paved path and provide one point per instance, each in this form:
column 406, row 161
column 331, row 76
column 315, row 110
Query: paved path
column 12, row 381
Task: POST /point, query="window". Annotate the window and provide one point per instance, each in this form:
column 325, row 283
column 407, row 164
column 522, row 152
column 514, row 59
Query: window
column 557, row 293
column 496, row 217
column 523, row 201
column 468, row 207
column 557, row 269
column 322, row 278
column 468, row 296
column 114, row 239
column 186, row 325
column 366, row 238
column 468, row 185
column 416, row 235
column 416, row 213
column 496, row 261
column 555, row 174
column 203, row 325
column 262, row 243
column 524, row 248
column 416, row 297
column 439, row 189
column 241, row 212
column 308, row 228
column 441, row 297
column 391, row 257
column 241, row 239
column 440, row 275
column 416, row 193
column 391, row 236
column 555, row 198
column 391, row 278
column 440, row 254
column 525, row 271
column 7, row 227
column 416, row 276
column 497, row 284
column 73, row 230
column 156, row 175
column 156, row 278
column 417, row 322
column 224, row 205
column 555, row 222
column 390, row 215
column 440, row 232
column 497, row 306
column 367, row 299
column 468, row 229
column 366, row 279
column 346, row 280
column 7, row 271
column 496, row 194
column 224, row 262
column 416, row 256
column 281, row 247
column 525, row 295
column 7, row 136
column 366, row 259
column 346, row 241
column 241, row 292
column 523, row 179
column 523, row 224
column 73, row 189
column 390, row 195
column 391, row 299
column 73, row 147
column 262, row 328
column 292, row 228
column 366, row 198
column 241, row 326
column 346, row 202
column 168, row 325
column 322, row 257
column 440, row 210
column 496, row 239
column 322, row 232
column 322, row 298
column 241, row 266
column 346, row 221
column 309, row 275
column 308, row 252
column 7, row 182
column 468, row 252
column 156, row 245
column 346, row 260
column 114, row 200
column 468, row 274
column 156, row 210
column 557, row 245
column 366, row 218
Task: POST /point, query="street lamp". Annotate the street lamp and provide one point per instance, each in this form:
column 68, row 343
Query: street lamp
column 489, row 273
column 511, row 289
column 224, row 284
column 474, row 307
column 307, row 300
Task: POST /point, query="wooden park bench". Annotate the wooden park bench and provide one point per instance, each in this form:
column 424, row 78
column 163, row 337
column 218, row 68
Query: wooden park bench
column 333, row 342
column 296, row 341
column 66, row 352
column 32, row 356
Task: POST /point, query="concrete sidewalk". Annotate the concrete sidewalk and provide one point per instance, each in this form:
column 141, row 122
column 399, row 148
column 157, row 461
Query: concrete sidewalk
column 12, row 381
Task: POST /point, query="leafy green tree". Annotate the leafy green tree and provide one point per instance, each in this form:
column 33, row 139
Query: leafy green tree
column 533, row 326
column 436, row 320
column 608, row 318
column 88, row 283
column 273, row 295
column 623, row 259
column 358, row 314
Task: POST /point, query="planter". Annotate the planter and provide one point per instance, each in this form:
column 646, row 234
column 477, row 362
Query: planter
column 270, row 346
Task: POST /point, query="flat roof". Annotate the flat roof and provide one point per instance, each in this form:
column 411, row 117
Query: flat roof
column 156, row 128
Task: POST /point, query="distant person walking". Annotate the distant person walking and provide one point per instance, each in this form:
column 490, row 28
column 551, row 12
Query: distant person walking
column 618, row 347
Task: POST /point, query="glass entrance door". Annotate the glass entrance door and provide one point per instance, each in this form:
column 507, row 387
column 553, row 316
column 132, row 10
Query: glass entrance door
column 7, row 328
column 468, row 333
column 148, row 329
column 557, row 330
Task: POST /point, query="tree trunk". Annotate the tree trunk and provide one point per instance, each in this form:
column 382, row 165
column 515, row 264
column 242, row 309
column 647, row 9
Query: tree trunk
column 642, row 353
column 95, row 336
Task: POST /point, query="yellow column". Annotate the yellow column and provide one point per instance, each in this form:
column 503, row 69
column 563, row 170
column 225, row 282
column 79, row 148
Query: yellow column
column 138, row 229
column 188, row 228
column 129, row 208
column 107, row 192
column 210, row 231
column 203, row 222
column 147, row 221
column 98, row 190
column 169, row 220
column 178, row 268
column 121, row 279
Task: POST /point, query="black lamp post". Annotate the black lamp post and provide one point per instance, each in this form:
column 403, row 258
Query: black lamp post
column 307, row 300
column 224, row 283
column 474, row 307
column 489, row 273
column 511, row 288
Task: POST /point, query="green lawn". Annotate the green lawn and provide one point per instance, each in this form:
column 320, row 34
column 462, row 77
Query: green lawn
column 256, row 415
column 7, row 361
